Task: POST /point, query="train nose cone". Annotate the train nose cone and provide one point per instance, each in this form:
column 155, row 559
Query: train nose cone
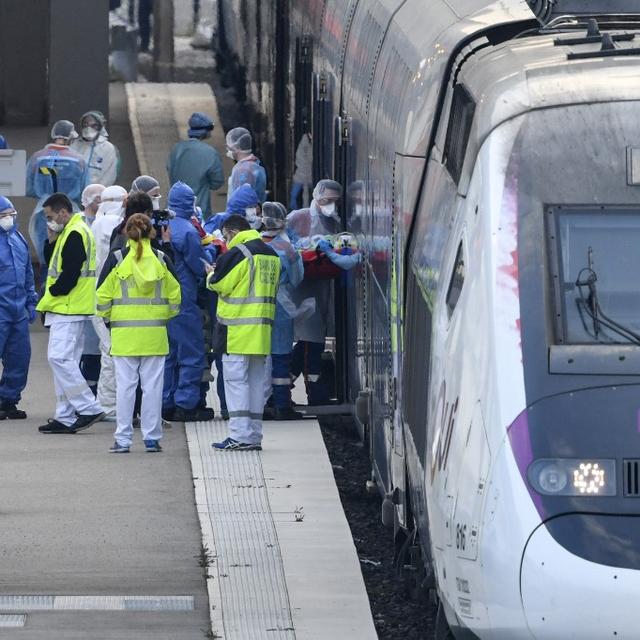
column 580, row 578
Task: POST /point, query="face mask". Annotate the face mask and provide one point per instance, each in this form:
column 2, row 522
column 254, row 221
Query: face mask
column 6, row 223
column 328, row 209
column 156, row 203
column 110, row 208
column 230, row 154
column 90, row 134
column 250, row 213
column 56, row 227
column 358, row 210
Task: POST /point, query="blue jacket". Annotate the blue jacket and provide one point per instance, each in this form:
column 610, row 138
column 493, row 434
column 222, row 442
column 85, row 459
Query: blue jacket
column 243, row 198
column 17, row 291
column 188, row 251
column 291, row 274
column 197, row 164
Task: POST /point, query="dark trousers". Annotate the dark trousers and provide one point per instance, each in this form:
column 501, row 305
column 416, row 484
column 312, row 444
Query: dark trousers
column 90, row 369
column 281, row 380
column 145, row 9
column 307, row 360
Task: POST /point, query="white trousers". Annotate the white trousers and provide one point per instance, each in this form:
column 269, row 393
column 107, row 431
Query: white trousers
column 247, row 384
column 107, row 381
column 150, row 371
column 73, row 396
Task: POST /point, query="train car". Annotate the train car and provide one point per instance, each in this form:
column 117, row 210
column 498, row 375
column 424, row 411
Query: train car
column 491, row 157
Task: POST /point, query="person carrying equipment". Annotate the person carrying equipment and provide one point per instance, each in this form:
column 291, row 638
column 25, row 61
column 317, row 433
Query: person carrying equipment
column 320, row 219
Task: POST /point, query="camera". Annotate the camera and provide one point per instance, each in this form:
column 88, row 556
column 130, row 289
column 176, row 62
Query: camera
column 160, row 219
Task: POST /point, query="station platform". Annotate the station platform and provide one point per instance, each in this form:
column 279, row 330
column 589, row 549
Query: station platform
column 187, row 544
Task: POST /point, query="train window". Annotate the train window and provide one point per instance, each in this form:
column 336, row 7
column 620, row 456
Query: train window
column 594, row 263
column 456, row 282
column 458, row 130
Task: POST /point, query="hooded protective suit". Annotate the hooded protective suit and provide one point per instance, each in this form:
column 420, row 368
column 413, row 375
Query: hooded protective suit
column 242, row 199
column 185, row 363
column 101, row 156
column 17, row 308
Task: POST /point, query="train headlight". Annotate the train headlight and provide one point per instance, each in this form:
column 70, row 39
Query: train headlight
column 564, row 477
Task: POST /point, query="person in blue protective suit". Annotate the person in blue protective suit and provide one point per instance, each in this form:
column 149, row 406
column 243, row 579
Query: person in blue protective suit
column 55, row 168
column 185, row 363
column 303, row 227
column 291, row 273
column 3, row 143
column 244, row 202
column 17, row 309
column 197, row 163
column 247, row 169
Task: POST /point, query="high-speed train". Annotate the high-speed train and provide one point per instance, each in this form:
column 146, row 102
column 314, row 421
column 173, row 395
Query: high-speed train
column 491, row 340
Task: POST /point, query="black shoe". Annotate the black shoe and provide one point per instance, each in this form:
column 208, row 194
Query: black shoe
column 9, row 410
column 167, row 414
column 268, row 413
column 192, row 415
column 206, row 411
column 84, row 422
column 135, row 423
column 287, row 414
column 53, row 426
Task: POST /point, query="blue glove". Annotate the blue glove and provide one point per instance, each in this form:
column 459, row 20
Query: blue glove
column 32, row 314
column 325, row 246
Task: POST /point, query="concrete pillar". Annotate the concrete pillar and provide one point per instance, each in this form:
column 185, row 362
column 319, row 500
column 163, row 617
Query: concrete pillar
column 183, row 17
column 24, row 37
column 163, row 52
column 78, row 58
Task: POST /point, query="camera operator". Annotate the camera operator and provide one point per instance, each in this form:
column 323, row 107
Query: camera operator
column 140, row 202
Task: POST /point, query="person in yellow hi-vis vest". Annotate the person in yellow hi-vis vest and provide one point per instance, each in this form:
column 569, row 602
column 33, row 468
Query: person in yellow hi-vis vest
column 69, row 299
column 246, row 279
column 137, row 294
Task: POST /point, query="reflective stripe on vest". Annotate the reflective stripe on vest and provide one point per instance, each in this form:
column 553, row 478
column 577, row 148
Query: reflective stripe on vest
column 121, row 324
column 252, row 267
column 238, row 321
column 126, row 299
column 248, row 300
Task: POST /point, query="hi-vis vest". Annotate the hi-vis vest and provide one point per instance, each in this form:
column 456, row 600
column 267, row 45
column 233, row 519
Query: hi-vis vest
column 246, row 281
column 81, row 300
column 138, row 318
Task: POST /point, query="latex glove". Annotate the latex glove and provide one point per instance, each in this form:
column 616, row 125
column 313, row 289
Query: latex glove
column 325, row 246
column 32, row 314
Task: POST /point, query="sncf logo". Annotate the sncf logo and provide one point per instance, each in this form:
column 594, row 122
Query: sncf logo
column 446, row 415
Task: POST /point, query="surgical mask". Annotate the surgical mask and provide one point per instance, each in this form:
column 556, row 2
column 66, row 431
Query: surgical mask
column 89, row 134
column 6, row 222
column 110, row 208
column 328, row 209
column 56, row 227
column 250, row 213
column 230, row 154
column 156, row 203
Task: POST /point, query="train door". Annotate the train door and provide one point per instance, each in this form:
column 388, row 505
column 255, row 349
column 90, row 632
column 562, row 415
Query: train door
column 407, row 172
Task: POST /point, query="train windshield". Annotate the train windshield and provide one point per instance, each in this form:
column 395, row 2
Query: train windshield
column 598, row 259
